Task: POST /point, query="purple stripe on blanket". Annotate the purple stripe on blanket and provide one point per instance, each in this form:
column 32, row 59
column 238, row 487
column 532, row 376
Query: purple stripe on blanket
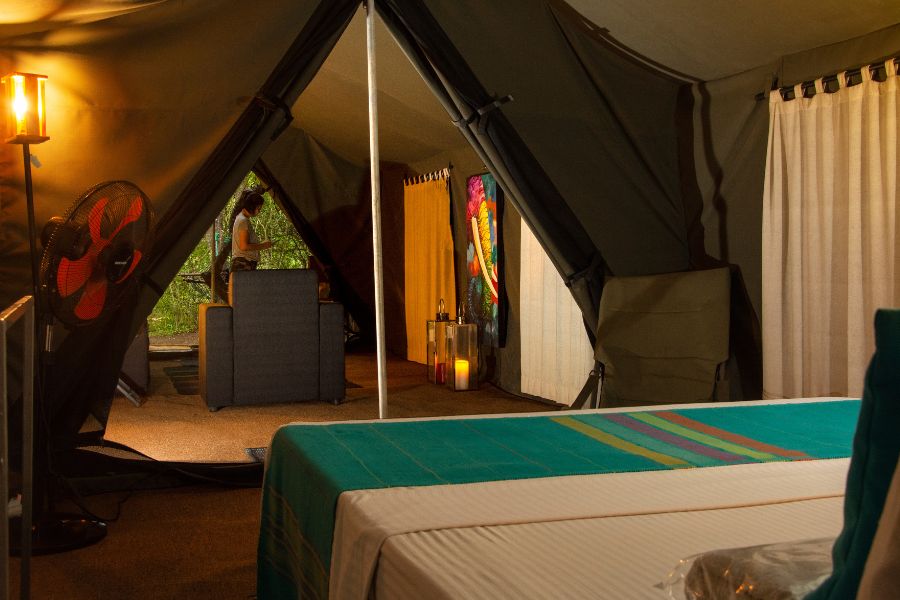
column 675, row 440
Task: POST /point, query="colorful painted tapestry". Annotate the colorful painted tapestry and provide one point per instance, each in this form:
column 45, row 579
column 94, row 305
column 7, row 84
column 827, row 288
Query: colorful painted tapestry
column 483, row 291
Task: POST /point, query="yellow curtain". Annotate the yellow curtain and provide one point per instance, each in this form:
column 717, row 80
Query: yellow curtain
column 429, row 259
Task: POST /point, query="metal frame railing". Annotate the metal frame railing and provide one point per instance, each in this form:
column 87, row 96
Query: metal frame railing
column 23, row 311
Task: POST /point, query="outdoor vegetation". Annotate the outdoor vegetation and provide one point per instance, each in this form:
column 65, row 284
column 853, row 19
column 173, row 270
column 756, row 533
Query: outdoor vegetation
column 176, row 311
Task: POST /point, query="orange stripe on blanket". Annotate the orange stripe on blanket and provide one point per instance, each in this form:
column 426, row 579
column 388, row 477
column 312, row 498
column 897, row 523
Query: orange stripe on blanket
column 727, row 435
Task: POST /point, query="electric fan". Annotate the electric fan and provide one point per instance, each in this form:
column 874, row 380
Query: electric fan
column 93, row 252
column 91, row 258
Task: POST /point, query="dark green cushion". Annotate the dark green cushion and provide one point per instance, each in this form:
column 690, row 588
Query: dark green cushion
column 876, row 446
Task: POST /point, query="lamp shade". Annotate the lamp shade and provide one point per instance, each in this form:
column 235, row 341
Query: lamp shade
column 24, row 108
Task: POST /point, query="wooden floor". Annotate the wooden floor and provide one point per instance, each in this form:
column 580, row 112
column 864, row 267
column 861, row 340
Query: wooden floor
column 169, row 426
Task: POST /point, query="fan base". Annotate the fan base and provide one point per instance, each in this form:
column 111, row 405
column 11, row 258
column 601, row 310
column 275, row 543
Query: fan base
column 57, row 532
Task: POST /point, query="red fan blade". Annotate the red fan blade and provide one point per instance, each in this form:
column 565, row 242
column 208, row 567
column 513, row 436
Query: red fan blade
column 96, row 219
column 134, row 213
column 72, row 274
column 134, row 262
column 91, row 302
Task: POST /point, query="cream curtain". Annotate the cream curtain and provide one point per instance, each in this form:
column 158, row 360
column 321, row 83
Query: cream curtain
column 830, row 224
column 556, row 353
column 428, row 245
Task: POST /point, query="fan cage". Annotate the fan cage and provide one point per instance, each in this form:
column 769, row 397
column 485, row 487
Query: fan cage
column 113, row 219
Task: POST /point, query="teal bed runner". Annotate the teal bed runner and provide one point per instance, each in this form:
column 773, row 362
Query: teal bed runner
column 309, row 466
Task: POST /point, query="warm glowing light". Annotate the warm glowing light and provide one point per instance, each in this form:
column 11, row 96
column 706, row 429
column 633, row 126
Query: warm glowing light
column 25, row 108
column 461, row 374
column 20, row 103
column 41, row 103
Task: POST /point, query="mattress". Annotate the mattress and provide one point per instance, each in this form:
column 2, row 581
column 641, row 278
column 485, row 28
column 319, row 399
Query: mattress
column 410, row 512
column 607, row 536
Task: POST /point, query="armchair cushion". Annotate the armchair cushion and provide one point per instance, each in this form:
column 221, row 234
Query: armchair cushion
column 216, row 341
column 276, row 335
column 275, row 342
column 331, row 351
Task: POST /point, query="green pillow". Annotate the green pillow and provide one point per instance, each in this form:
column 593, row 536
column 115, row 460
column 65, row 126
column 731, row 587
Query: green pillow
column 876, row 446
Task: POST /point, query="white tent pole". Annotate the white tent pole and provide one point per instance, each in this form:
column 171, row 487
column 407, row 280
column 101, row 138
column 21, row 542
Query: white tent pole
column 376, row 210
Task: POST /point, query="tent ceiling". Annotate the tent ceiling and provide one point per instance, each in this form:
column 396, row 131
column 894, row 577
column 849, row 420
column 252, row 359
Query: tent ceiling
column 711, row 39
column 34, row 16
column 678, row 34
column 705, row 39
column 334, row 108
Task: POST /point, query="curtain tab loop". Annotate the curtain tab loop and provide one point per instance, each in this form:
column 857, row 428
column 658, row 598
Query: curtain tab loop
column 820, row 86
column 866, row 73
column 798, row 91
column 842, row 79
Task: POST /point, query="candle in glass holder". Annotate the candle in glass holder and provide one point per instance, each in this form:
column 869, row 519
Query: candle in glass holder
column 461, row 373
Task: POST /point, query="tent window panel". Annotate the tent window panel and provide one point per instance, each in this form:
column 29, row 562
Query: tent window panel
column 556, row 353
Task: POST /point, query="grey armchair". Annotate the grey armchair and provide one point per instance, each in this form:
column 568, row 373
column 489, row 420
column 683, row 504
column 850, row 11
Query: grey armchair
column 274, row 342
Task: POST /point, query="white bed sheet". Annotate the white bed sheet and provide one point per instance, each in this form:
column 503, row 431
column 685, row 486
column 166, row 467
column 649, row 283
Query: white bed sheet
column 619, row 558
column 619, row 531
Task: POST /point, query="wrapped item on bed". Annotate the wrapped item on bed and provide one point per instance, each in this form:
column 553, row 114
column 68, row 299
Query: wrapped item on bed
column 784, row 571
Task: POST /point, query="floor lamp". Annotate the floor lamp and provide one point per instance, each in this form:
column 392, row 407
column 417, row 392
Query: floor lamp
column 24, row 96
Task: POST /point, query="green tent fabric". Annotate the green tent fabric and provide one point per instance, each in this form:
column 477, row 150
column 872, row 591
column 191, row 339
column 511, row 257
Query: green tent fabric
column 72, row 390
column 618, row 165
column 333, row 196
column 664, row 338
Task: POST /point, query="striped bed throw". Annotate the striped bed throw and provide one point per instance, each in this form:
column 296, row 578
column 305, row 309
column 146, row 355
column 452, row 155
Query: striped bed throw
column 309, row 466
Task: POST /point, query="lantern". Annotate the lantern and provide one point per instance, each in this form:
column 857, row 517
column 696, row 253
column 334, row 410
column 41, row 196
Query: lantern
column 462, row 356
column 436, row 350
column 25, row 108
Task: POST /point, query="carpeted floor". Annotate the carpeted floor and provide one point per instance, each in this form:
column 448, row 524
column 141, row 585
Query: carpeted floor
column 174, row 424
column 174, row 544
column 199, row 542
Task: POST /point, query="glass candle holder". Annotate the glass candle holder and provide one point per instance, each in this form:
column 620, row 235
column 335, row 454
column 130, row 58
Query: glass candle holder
column 462, row 356
column 436, row 351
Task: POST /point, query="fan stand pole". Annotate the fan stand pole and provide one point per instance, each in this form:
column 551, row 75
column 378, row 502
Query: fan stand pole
column 25, row 538
column 29, row 199
column 50, row 532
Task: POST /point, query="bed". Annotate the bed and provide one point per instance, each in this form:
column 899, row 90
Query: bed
column 576, row 504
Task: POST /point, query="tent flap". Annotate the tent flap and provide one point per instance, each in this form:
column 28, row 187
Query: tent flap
column 75, row 389
column 613, row 165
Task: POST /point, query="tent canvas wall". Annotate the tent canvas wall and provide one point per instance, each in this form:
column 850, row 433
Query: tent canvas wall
column 617, row 165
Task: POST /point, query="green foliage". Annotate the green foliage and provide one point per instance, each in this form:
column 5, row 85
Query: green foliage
column 176, row 311
column 288, row 251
